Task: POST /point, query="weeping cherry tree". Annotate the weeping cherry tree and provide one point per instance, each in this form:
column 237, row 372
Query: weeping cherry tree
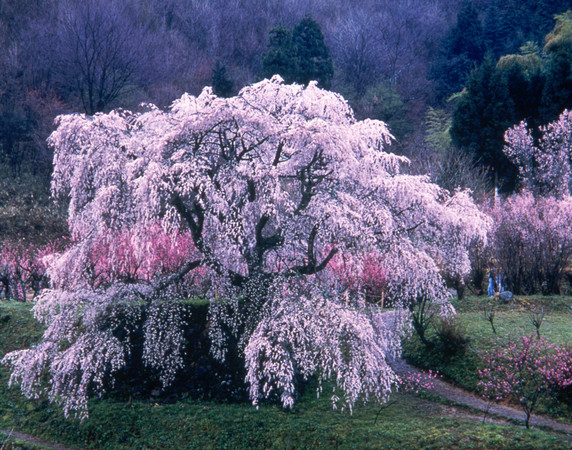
column 272, row 186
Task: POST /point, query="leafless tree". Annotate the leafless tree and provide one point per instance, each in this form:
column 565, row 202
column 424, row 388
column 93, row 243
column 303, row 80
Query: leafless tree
column 104, row 52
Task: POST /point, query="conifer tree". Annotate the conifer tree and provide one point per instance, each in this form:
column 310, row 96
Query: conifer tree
column 300, row 55
column 484, row 112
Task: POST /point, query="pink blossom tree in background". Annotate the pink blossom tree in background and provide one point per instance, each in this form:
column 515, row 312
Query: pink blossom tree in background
column 531, row 240
column 271, row 186
column 544, row 164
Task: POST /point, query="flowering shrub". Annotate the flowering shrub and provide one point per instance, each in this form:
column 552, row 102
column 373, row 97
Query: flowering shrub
column 366, row 273
column 269, row 185
column 526, row 371
column 128, row 258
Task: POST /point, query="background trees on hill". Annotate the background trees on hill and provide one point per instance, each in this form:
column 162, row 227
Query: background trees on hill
column 95, row 57
column 498, row 27
column 103, row 54
column 462, row 49
column 532, row 85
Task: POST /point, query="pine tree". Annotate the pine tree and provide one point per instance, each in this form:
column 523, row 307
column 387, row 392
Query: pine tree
column 483, row 114
column 312, row 56
column 281, row 56
column 461, row 51
column 557, row 94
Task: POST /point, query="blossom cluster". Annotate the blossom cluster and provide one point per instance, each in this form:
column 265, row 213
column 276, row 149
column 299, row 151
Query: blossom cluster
column 545, row 165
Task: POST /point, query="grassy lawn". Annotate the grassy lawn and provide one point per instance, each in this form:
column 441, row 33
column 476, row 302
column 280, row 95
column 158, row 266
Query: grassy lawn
column 511, row 321
column 410, row 422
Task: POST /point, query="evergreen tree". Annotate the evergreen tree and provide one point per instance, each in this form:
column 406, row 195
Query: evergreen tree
column 222, row 84
column 461, row 51
column 557, row 94
column 483, row 114
column 299, row 56
column 281, row 55
column 312, row 56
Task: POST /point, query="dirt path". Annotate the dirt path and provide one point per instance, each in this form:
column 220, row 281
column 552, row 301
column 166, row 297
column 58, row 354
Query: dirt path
column 463, row 397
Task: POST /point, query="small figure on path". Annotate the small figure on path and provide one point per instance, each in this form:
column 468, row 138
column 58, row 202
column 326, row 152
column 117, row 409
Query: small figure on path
column 491, row 285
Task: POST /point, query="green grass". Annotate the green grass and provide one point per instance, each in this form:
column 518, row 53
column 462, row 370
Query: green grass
column 411, row 422
column 511, row 322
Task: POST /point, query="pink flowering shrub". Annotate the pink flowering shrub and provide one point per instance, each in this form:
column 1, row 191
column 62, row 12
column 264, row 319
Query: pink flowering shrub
column 366, row 274
column 526, row 371
column 128, row 258
column 269, row 186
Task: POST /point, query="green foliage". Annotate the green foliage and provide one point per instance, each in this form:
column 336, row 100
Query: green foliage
column 300, row 55
column 499, row 27
column 461, row 50
column 480, row 119
column 530, row 85
column 451, row 334
column 438, row 125
column 557, row 94
column 312, row 56
column 383, row 102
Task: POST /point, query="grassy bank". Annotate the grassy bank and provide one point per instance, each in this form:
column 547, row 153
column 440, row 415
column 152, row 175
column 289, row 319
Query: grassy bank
column 410, row 422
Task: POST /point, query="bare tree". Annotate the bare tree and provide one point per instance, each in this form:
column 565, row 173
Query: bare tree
column 104, row 52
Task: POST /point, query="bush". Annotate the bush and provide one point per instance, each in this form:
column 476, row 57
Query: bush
column 527, row 371
column 451, row 335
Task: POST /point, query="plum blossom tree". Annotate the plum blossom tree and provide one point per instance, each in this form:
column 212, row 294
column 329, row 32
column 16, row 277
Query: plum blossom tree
column 271, row 186
column 531, row 241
